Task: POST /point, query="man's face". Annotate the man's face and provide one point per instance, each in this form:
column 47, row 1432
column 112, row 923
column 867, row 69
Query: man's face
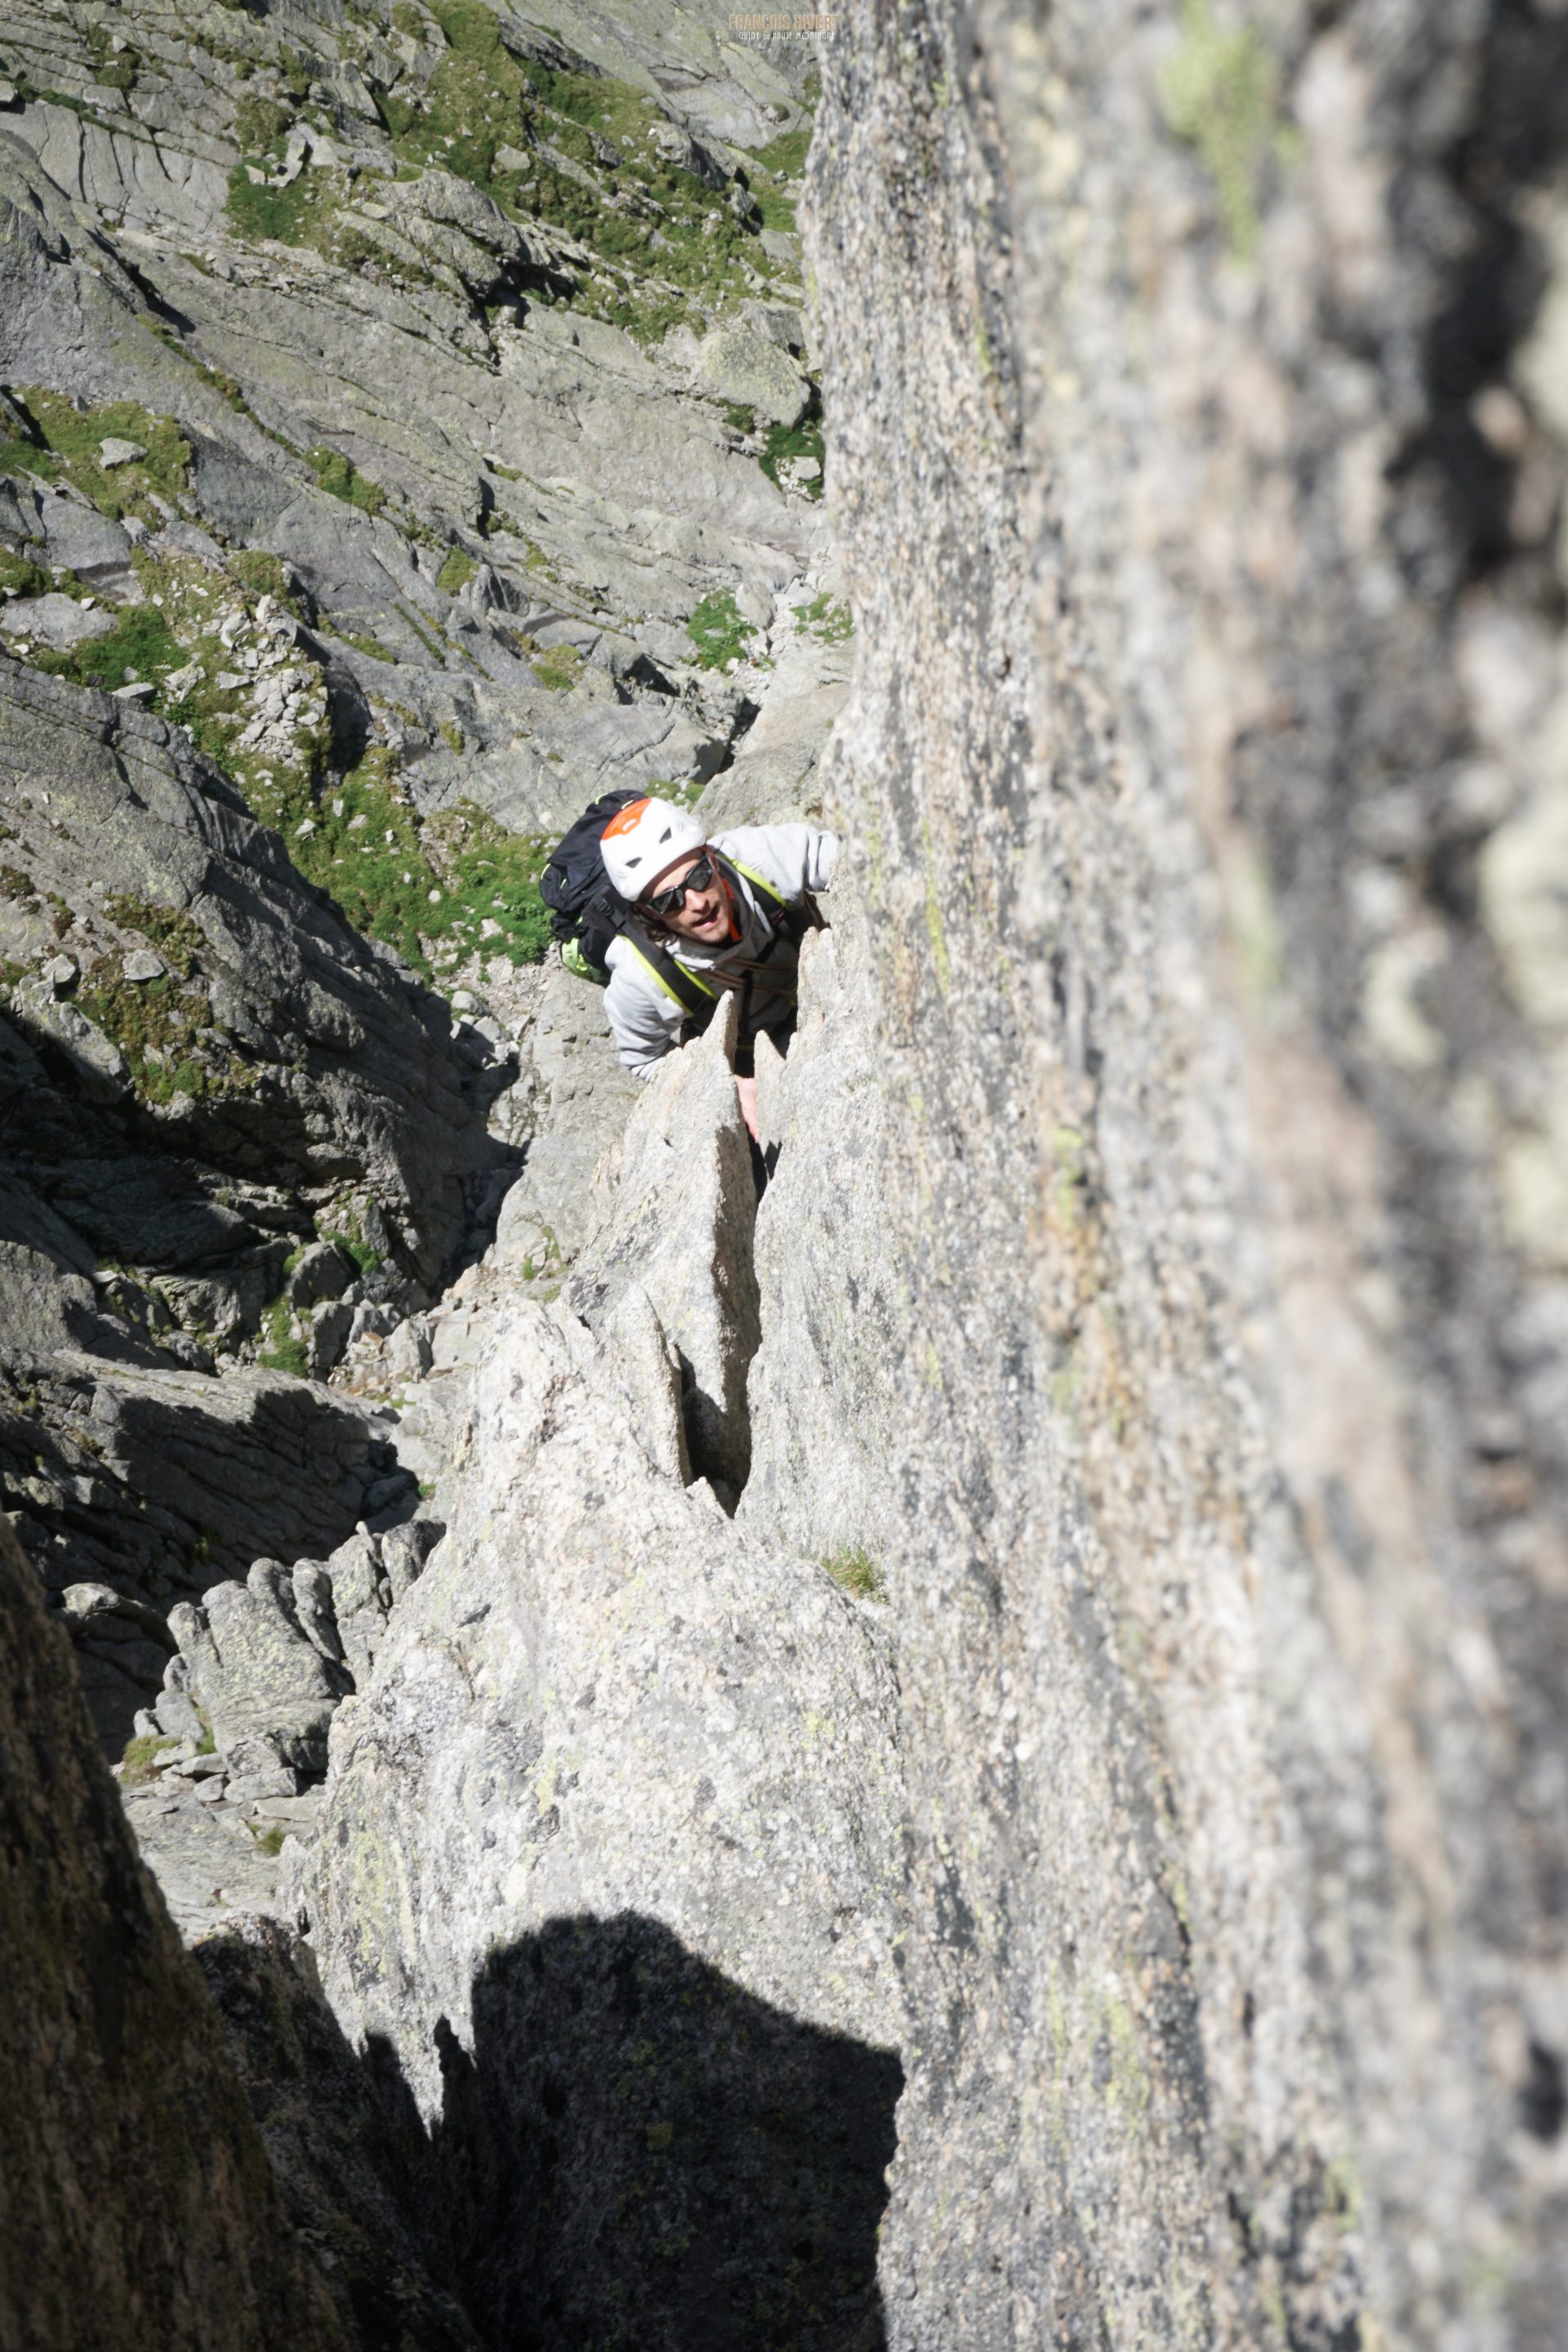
column 703, row 914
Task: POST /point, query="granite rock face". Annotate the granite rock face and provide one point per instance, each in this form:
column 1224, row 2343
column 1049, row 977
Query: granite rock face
column 578, row 1100
column 157, row 1482
column 476, row 328
column 354, row 2169
column 679, row 1229
column 138, row 2204
column 1205, row 1303
column 293, row 1055
column 609, row 1852
column 178, row 1117
column 231, row 1748
column 263, row 1660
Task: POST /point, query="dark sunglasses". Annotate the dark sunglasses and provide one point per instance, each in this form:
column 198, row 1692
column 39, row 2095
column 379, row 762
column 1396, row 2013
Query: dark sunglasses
column 665, row 903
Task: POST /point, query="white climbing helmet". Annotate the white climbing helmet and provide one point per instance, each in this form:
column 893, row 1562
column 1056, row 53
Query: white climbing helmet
column 645, row 837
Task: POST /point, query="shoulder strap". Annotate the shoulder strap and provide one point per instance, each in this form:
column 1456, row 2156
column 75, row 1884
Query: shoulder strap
column 678, row 982
column 802, row 914
column 760, row 880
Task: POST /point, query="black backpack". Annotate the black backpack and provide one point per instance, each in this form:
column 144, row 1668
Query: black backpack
column 574, row 886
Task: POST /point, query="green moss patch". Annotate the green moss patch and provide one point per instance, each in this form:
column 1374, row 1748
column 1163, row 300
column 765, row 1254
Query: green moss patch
column 19, row 457
column 830, row 623
column 371, row 647
column 853, row 1569
column 114, row 67
column 357, row 1248
column 156, row 1029
column 684, row 791
column 267, row 575
column 786, row 156
column 584, row 152
column 21, row 574
column 341, row 478
column 177, row 937
column 457, row 572
column 436, row 892
column 284, row 215
column 492, row 877
column 666, row 240
column 285, row 1352
column 141, row 645
column 1219, row 93
column 787, row 441
column 776, row 171
column 559, row 668
column 162, row 1027
column 309, row 213
column 69, row 441
column 718, row 631
column 473, row 99
column 260, row 125
column 364, row 847
column 647, row 319
column 141, row 1760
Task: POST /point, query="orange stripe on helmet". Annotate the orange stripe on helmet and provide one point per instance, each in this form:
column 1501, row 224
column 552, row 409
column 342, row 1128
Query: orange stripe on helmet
column 626, row 821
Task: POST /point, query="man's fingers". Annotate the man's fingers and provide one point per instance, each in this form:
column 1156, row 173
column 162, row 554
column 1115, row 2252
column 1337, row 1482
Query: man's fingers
column 746, row 1088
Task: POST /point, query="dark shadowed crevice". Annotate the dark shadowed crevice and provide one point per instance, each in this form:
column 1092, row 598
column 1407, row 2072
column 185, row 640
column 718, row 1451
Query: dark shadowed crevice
column 1511, row 143
column 635, row 2152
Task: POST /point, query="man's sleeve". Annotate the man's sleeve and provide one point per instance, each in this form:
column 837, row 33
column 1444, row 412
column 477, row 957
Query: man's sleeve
column 643, row 1025
column 794, row 858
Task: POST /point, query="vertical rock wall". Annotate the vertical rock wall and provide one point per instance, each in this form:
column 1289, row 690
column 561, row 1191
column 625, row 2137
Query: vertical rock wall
column 1174, row 1311
column 136, row 2206
column 607, row 1867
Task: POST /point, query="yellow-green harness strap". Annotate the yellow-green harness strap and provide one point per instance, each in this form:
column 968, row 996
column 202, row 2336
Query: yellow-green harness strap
column 659, row 972
column 760, row 879
column 810, row 913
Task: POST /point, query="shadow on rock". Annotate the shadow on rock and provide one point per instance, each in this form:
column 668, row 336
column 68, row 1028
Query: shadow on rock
column 343, row 2139
column 637, row 2152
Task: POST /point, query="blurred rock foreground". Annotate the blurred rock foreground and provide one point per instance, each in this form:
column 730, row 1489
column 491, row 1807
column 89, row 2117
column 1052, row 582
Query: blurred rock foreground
column 970, row 1753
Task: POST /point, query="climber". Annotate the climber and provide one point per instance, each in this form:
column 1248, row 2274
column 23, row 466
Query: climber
column 727, row 913
column 686, row 917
